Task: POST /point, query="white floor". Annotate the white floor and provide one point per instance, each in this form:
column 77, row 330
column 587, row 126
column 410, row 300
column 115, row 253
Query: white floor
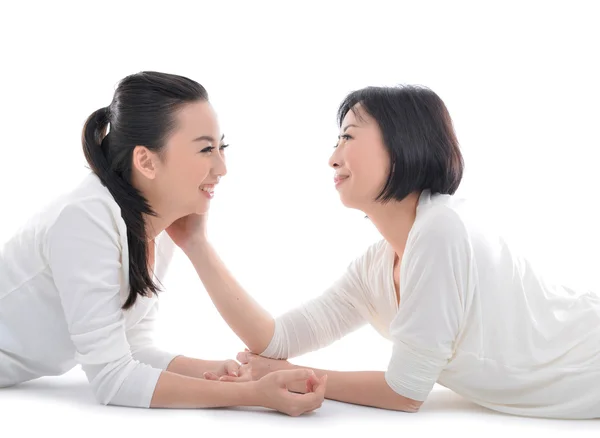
column 65, row 405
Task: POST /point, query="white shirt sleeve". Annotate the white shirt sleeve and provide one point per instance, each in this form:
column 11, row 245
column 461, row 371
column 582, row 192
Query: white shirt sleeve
column 140, row 338
column 434, row 279
column 321, row 321
column 85, row 259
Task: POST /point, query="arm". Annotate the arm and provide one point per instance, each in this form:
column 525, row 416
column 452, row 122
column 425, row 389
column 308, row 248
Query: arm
column 140, row 338
column 85, row 259
column 434, row 283
column 84, row 256
column 367, row 388
column 250, row 322
column 178, row 391
column 314, row 325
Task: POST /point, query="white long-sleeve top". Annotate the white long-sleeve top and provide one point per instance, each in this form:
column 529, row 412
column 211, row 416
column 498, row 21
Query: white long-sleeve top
column 473, row 316
column 64, row 277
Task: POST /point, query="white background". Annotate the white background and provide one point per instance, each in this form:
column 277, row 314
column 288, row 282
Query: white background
column 521, row 81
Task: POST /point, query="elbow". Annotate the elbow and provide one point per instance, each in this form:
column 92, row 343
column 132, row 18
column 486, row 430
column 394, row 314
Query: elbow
column 270, row 343
column 411, row 406
column 404, row 404
column 121, row 383
column 102, row 399
column 257, row 348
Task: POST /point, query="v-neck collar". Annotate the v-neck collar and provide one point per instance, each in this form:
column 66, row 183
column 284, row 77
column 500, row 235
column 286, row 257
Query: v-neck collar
column 391, row 255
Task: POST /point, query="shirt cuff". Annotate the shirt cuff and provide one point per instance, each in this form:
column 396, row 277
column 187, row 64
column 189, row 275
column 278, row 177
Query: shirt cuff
column 413, row 373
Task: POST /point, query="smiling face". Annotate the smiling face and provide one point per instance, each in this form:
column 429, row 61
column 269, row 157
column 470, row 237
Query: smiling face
column 180, row 181
column 360, row 160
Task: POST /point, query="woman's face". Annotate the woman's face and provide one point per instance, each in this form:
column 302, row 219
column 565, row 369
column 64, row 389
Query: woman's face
column 360, row 160
column 191, row 163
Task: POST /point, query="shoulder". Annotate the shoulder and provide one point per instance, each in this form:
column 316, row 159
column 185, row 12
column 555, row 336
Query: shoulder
column 367, row 267
column 442, row 222
column 89, row 207
column 373, row 254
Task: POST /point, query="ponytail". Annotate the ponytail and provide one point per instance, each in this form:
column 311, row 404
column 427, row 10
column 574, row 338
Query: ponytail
column 96, row 148
column 93, row 136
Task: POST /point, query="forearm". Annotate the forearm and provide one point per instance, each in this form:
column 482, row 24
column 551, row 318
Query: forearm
column 250, row 322
column 187, row 366
column 366, row 388
column 177, row 391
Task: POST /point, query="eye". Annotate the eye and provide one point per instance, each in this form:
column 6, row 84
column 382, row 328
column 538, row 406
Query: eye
column 342, row 137
column 208, row 150
column 223, row 146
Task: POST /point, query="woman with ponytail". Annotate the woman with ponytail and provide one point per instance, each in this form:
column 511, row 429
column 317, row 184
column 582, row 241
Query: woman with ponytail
column 79, row 282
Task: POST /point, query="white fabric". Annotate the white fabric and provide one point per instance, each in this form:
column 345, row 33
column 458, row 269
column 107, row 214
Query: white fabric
column 63, row 279
column 474, row 316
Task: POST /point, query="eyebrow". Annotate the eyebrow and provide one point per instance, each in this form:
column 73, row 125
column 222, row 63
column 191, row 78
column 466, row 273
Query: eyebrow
column 208, row 138
column 350, row 126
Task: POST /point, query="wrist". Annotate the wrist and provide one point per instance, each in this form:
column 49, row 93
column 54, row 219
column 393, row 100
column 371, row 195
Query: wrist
column 248, row 393
column 195, row 244
column 216, row 367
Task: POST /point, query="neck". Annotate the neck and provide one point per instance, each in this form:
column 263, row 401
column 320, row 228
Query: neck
column 155, row 225
column 394, row 220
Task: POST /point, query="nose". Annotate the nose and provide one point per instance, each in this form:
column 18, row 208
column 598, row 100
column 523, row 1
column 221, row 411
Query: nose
column 335, row 160
column 220, row 167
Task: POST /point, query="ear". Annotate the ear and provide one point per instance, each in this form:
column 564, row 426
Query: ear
column 145, row 161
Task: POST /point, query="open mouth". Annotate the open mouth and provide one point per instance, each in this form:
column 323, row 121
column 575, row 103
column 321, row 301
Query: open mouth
column 208, row 190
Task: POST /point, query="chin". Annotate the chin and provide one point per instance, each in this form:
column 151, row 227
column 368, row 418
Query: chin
column 346, row 201
column 201, row 209
column 352, row 203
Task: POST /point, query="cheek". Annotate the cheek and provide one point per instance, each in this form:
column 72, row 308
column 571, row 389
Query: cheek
column 369, row 172
column 184, row 178
column 367, row 168
column 194, row 170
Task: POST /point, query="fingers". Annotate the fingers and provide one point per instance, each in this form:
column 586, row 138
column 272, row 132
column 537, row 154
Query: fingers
column 314, row 381
column 319, row 388
column 314, row 400
column 210, row 376
column 243, row 357
column 285, row 377
column 309, row 386
column 232, row 368
column 311, row 383
column 229, row 379
column 303, row 403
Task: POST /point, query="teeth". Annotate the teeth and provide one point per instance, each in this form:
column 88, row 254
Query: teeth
column 208, row 189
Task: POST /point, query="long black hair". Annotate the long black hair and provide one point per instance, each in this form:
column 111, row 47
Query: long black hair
column 142, row 112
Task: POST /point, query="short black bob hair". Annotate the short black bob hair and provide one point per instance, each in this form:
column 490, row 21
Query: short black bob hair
column 419, row 135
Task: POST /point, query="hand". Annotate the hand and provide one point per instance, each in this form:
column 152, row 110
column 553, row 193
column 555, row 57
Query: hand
column 272, row 391
column 188, row 230
column 230, row 371
column 261, row 366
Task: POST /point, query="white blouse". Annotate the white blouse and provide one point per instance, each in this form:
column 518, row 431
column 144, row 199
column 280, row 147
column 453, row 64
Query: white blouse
column 474, row 316
column 63, row 279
